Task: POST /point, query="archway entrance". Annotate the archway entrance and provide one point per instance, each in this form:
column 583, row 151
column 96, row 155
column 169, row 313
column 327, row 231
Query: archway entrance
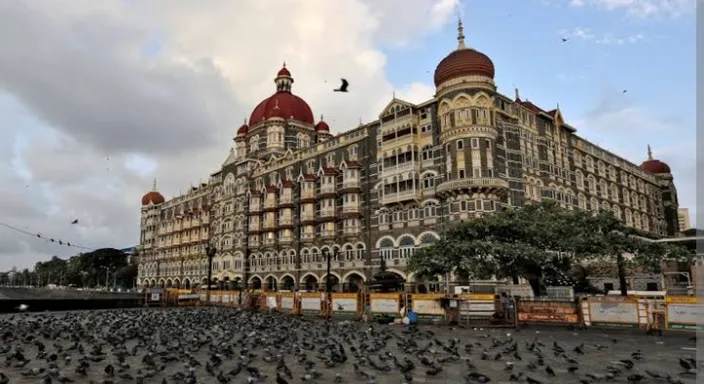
column 334, row 282
column 310, row 283
column 187, row 284
column 287, row 283
column 256, row 283
column 271, row 283
column 353, row 283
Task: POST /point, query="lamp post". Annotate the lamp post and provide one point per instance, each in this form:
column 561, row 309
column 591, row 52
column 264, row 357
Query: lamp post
column 210, row 252
column 328, row 288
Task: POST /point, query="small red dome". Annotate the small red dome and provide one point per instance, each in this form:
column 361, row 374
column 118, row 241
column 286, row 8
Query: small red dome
column 153, row 197
column 655, row 166
column 241, row 131
column 283, row 72
column 322, row 126
column 463, row 62
column 290, row 107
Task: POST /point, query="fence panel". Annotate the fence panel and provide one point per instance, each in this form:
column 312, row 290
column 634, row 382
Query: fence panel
column 311, row 303
column 384, row 303
column 613, row 311
column 345, row 304
column 428, row 306
column 287, row 303
column 548, row 312
column 272, row 301
column 684, row 313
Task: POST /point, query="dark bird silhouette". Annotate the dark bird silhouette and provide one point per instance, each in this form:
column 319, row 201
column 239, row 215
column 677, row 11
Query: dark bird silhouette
column 564, row 39
column 75, row 221
column 624, row 91
column 343, row 86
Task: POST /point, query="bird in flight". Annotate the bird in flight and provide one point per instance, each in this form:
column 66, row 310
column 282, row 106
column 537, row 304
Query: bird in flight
column 75, row 221
column 343, row 86
column 624, row 91
column 564, row 39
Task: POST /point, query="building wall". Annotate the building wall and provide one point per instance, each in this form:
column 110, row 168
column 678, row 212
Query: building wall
column 683, row 220
column 385, row 189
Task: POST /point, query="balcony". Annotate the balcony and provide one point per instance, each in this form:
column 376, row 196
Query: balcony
column 307, row 218
column 327, row 190
column 308, row 236
column 472, row 184
column 255, row 208
column 285, row 202
column 254, row 227
column 285, row 239
column 350, row 208
column 254, row 243
column 308, row 195
column 401, row 168
column 327, row 234
column 270, row 205
column 269, row 226
column 269, row 241
column 327, row 214
column 351, row 231
column 401, row 196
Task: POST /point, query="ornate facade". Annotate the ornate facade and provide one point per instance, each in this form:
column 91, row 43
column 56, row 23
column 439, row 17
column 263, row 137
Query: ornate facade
column 290, row 194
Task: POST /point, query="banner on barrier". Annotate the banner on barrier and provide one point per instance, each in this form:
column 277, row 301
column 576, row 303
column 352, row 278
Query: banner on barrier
column 155, row 297
column 287, row 302
column 344, row 303
column 547, row 312
column 271, row 302
column 384, row 303
column 190, row 296
column 225, row 299
column 428, row 305
column 684, row 312
column 613, row 312
column 310, row 303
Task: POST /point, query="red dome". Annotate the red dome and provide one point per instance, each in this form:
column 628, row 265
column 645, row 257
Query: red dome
column 322, row 126
column 463, row 62
column 291, row 107
column 284, row 72
column 655, row 166
column 153, row 197
column 241, row 131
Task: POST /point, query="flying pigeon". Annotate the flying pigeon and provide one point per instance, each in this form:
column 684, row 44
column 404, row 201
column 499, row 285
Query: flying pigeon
column 564, row 39
column 75, row 221
column 343, row 86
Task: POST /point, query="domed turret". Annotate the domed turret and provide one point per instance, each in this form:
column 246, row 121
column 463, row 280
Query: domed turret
column 283, row 103
column 462, row 62
column 153, row 197
column 654, row 165
column 322, row 126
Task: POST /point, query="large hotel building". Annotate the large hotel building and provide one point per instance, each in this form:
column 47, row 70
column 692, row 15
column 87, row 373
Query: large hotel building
column 291, row 194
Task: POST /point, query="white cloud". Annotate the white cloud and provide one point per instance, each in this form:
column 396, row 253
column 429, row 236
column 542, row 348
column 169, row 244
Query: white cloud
column 641, row 8
column 76, row 89
column 586, row 34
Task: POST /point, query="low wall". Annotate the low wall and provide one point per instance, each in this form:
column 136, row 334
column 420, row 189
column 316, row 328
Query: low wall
column 660, row 312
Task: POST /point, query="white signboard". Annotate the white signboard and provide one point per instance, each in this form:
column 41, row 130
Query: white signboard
column 384, row 306
column 685, row 313
column 613, row 312
column 287, row 302
column 189, row 296
column 225, row 298
column 155, row 297
column 428, row 307
column 203, row 297
column 310, row 304
column 214, row 299
column 344, row 305
column 271, row 302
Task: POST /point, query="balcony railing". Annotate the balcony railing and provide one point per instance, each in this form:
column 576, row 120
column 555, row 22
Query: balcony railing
column 327, row 212
column 327, row 188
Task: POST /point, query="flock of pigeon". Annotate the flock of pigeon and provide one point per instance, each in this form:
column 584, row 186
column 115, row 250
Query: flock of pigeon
column 222, row 345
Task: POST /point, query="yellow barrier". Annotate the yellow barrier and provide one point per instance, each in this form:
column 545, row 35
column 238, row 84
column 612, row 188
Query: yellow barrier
column 612, row 311
column 346, row 304
column 428, row 305
column 272, row 301
column 287, row 302
column 684, row 313
column 386, row 303
column 311, row 303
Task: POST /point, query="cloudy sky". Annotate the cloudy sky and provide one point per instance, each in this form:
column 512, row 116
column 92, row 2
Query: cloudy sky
column 98, row 97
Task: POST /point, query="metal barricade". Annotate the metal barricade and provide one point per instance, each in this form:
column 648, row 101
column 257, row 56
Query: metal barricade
column 488, row 311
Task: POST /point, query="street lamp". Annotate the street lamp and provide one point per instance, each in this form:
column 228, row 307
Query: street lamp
column 328, row 287
column 210, row 252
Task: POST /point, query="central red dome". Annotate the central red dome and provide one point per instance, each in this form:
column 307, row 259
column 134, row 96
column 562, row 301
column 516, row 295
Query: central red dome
column 283, row 103
column 463, row 62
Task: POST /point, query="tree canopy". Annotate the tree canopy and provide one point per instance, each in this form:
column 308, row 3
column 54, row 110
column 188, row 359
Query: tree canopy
column 89, row 269
column 537, row 242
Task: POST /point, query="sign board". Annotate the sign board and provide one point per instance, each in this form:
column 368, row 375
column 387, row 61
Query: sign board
column 192, row 296
column 310, row 304
column 225, row 299
column 271, row 302
column 287, row 302
column 384, row 303
column 685, row 316
column 155, row 297
column 344, row 304
column 548, row 312
column 156, row 290
column 203, row 297
column 428, row 305
column 618, row 313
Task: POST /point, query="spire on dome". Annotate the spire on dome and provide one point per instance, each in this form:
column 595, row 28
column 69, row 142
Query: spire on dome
column 650, row 153
column 154, row 185
column 460, row 34
column 518, row 95
column 283, row 79
column 321, row 117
